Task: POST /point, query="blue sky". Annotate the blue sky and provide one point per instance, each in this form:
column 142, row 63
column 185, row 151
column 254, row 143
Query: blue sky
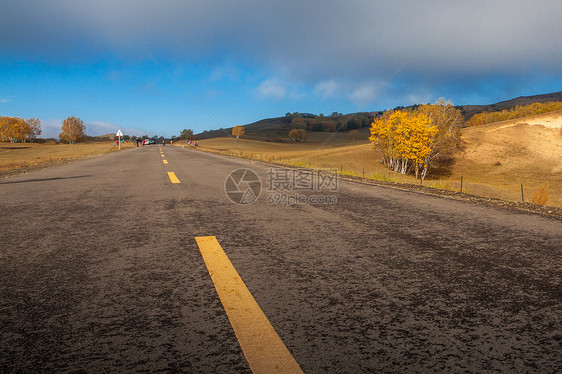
column 149, row 67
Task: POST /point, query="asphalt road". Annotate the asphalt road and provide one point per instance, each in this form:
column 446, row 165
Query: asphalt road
column 100, row 272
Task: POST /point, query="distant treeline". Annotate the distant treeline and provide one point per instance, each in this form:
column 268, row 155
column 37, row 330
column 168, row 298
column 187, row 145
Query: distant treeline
column 334, row 122
column 520, row 111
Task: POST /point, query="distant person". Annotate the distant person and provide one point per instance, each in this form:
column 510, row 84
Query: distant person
column 143, row 142
column 137, row 143
column 163, row 142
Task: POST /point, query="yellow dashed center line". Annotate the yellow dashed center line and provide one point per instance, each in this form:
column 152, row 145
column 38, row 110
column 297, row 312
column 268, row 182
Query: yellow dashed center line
column 173, row 177
column 162, row 155
column 165, row 161
column 263, row 348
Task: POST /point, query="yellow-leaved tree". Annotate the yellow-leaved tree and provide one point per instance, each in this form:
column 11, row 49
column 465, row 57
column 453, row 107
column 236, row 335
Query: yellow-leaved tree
column 413, row 143
column 238, row 131
column 298, row 134
column 72, row 130
column 14, row 129
column 405, row 139
column 446, row 140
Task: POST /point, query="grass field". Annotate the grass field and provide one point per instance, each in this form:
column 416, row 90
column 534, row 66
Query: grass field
column 22, row 155
column 320, row 151
column 497, row 159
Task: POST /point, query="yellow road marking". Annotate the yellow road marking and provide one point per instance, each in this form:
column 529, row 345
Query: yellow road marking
column 173, row 177
column 165, row 161
column 263, row 348
column 161, row 155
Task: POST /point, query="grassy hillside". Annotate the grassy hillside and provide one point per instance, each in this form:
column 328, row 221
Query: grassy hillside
column 271, row 127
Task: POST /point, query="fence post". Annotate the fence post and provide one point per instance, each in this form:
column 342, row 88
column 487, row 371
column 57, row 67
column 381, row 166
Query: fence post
column 522, row 197
column 461, row 183
column 363, row 173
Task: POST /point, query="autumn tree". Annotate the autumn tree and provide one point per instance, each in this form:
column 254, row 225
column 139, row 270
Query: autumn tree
column 294, row 134
column 13, row 129
column 354, row 123
column 298, row 123
column 186, row 134
column 405, row 140
column 72, row 130
column 446, row 140
column 298, row 134
column 34, row 125
column 329, row 125
column 353, row 134
column 238, row 131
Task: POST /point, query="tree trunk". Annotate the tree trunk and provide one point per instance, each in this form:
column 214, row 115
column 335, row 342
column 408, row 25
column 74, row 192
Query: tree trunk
column 424, row 173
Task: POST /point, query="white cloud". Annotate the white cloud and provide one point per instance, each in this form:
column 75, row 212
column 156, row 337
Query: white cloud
column 418, row 98
column 96, row 128
column 327, row 89
column 225, row 71
column 100, row 128
column 50, row 128
column 271, row 88
column 361, row 95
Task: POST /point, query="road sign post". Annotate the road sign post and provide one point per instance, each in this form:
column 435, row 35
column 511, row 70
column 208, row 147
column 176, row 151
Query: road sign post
column 119, row 135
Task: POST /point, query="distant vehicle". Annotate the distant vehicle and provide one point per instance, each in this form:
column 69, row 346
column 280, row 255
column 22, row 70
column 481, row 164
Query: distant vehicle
column 149, row 141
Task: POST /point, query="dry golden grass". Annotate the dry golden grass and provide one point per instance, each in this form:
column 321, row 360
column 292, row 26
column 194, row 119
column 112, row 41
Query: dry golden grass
column 20, row 155
column 320, row 151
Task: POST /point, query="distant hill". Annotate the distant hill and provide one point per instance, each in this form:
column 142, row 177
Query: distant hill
column 278, row 127
column 470, row 110
column 272, row 127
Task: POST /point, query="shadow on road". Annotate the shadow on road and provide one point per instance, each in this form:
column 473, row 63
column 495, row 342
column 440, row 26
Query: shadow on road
column 47, row 179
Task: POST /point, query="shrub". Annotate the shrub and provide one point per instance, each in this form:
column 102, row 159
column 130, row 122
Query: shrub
column 540, row 196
